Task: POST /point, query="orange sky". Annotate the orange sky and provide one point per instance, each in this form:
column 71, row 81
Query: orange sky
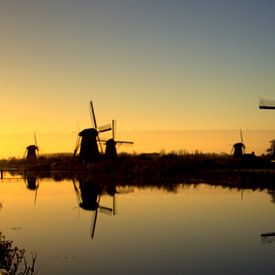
column 168, row 65
column 217, row 141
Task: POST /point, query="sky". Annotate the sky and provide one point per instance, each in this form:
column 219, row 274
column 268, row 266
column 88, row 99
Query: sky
column 151, row 65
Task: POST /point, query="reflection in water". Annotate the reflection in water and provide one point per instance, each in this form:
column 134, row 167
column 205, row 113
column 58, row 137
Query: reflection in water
column 272, row 194
column 88, row 194
column 192, row 220
column 32, row 183
column 268, row 237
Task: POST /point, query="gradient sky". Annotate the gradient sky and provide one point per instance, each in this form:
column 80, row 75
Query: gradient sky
column 154, row 64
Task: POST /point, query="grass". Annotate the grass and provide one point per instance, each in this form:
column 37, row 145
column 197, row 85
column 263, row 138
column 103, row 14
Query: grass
column 12, row 259
column 154, row 168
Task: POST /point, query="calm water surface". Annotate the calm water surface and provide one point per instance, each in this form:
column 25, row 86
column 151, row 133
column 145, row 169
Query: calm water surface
column 195, row 229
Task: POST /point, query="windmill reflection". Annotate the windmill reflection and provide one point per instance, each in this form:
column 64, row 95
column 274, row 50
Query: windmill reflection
column 32, row 183
column 88, row 194
column 269, row 237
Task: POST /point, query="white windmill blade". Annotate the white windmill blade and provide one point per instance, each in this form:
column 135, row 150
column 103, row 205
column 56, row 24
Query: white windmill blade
column 266, row 103
column 105, row 128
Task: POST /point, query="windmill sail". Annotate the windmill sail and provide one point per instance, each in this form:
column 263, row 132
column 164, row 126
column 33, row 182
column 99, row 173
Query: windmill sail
column 266, row 103
column 92, row 114
column 104, row 128
column 241, row 133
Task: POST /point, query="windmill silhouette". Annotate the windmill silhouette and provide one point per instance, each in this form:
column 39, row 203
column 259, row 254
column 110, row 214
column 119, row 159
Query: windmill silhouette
column 88, row 141
column 32, row 183
column 88, row 195
column 112, row 144
column 267, row 104
column 32, row 151
column 239, row 148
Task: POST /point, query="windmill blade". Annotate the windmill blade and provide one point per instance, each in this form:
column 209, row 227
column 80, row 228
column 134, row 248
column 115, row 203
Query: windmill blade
column 104, row 128
column 77, row 193
column 36, row 190
column 35, row 141
column 114, row 129
column 124, row 190
column 114, row 205
column 268, row 237
column 92, row 114
column 241, row 134
column 106, row 210
column 100, row 144
column 266, row 103
column 124, row 142
column 77, row 144
column 119, row 142
column 93, row 224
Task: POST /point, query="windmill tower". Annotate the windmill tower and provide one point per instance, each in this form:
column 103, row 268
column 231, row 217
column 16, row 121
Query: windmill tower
column 32, row 151
column 89, row 147
column 111, row 144
column 88, row 141
column 239, row 148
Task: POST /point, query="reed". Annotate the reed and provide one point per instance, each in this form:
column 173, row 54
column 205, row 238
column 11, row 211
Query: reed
column 13, row 260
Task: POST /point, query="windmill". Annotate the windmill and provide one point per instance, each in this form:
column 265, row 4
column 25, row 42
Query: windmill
column 267, row 104
column 239, row 148
column 88, row 195
column 32, row 183
column 112, row 191
column 112, row 143
column 32, row 151
column 88, row 141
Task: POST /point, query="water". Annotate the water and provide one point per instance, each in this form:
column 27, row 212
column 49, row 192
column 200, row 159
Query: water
column 192, row 229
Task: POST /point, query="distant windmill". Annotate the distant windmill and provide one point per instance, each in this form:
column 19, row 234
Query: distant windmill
column 271, row 150
column 32, row 151
column 111, row 144
column 88, row 141
column 239, row 148
column 266, row 103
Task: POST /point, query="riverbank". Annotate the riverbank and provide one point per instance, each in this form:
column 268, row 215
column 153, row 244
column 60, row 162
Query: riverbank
column 154, row 169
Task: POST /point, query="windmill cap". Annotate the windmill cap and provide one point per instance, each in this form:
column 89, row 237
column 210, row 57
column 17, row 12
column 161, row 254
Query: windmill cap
column 88, row 132
column 32, row 147
column 239, row 144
